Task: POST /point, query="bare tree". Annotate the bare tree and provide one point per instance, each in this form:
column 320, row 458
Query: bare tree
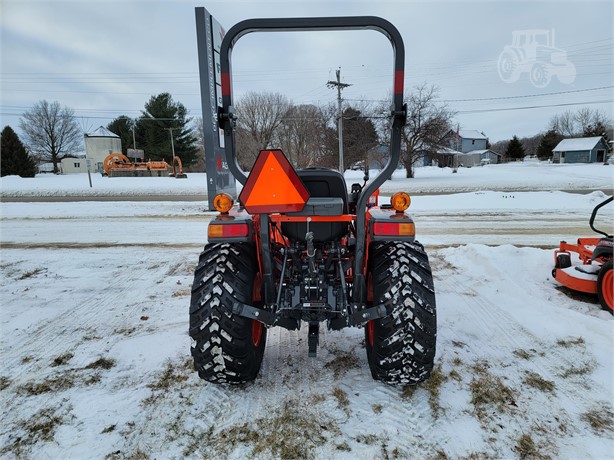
column 427, row 123
column 583, row 121
column 563, row 123
column 259, row 117
column 51, row 132
column 301, row 134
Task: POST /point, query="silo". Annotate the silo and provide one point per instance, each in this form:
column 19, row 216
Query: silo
column 98, row 144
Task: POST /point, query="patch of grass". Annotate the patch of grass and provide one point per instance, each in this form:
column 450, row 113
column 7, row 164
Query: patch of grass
column 568, row 343
column 457, row 361
column 601, row 420
column 535, row 380
column 342, row 399
column 62, row 360
column 523, row 354
column 489, row 391
column 343, row 447
column 459, row 344
column 31, row 273
column 586, row 368
column 408, row 391
column 39, row 427
column 368, row 439
column 454, row 375
column 182, row 293
column 171, row 376
column 438, row 455
column 433, row 386
column 342, row 363
column 377, row 408
column 527, row 449
column 50, row 385
column 5, row 382
column 289, row 432
column 109, row 429
column 101, row 363
column 26, row 359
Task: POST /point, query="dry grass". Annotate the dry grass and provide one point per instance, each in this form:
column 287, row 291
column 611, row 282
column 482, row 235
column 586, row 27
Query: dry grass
column 5, row 382
column 342, row 399
column 50, row 385
column 171, row 376
column 39, row 427
column 490, row 392
column 293, row 431
column 102, row 363
column 31, row 273
column 62, row 360
column 342, row 363
column 601, row 420
column 527, row 449
column 377, row 408
column 570, row 342
column 537, row 381
column 523, row 354
column 585, row 368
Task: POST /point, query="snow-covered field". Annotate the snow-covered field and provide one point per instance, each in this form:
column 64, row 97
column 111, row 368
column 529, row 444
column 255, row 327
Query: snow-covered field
column 95, row 351
column 527, row 176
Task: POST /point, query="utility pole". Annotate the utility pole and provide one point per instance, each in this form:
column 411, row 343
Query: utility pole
column 340, row 86
column 172, row 143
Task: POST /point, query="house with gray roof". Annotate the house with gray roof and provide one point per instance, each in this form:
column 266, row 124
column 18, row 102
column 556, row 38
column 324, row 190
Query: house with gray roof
column 581, row 150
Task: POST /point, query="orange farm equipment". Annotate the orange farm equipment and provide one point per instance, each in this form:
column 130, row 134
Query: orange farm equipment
column 119, row 165
column 587, row 265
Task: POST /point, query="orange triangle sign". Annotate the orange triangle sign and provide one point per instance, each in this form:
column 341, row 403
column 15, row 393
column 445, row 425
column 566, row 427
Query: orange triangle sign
column 273, row 185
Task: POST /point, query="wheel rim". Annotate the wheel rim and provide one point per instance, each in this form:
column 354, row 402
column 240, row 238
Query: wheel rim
column 371, row 332
column 256, row 332
column 608, row 288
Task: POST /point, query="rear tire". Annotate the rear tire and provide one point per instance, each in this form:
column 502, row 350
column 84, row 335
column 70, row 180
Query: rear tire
column 605, row 286
column 226, row 348
column 401, row 346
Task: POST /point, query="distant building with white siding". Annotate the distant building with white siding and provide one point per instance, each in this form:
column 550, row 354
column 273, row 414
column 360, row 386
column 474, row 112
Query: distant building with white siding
column 98, row 144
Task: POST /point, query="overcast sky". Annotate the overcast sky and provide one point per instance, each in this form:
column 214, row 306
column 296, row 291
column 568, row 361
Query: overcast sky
column 106, row 58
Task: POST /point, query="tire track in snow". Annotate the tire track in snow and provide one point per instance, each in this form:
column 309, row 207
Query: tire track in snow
column 102, row 316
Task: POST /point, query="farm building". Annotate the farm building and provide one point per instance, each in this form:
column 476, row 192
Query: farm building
column 488, row 156
column 98, row 144
column 581, row 150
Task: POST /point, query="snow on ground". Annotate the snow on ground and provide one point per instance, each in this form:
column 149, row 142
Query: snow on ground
column 95, row 351
column 526, row 176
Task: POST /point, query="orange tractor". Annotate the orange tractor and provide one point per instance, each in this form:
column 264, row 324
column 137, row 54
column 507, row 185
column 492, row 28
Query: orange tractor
column 590, row 269
column 298, row 249
column 119, row 165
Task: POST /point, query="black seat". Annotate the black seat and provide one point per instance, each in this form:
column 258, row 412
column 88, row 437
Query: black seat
column 321, row 183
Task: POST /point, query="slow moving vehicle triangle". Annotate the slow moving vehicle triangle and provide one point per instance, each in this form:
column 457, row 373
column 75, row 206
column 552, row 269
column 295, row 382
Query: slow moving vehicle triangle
column 273, row 185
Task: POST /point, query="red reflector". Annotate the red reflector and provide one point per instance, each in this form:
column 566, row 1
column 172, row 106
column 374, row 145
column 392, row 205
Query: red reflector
column 394, row 229
column 227, row 230
column 273, row 185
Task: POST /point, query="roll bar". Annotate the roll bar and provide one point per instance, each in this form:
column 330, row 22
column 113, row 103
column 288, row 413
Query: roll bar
column 227, row 116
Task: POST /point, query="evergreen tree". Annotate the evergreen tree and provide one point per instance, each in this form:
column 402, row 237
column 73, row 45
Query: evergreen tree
column 15, row 160
column 547, row 143
column 515, row 150
column 123, row 126
column 596, row 129
column 162, row 114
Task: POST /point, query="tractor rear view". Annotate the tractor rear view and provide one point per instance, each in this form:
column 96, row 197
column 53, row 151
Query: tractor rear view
column 298, row 249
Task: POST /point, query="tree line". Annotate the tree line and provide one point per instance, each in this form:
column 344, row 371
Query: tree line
column 306, row 133
column 584, row 122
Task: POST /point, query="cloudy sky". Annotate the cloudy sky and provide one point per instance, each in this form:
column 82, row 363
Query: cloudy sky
column 106, row 58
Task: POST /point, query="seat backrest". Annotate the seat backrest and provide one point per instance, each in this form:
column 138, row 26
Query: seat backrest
column 321, row 183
